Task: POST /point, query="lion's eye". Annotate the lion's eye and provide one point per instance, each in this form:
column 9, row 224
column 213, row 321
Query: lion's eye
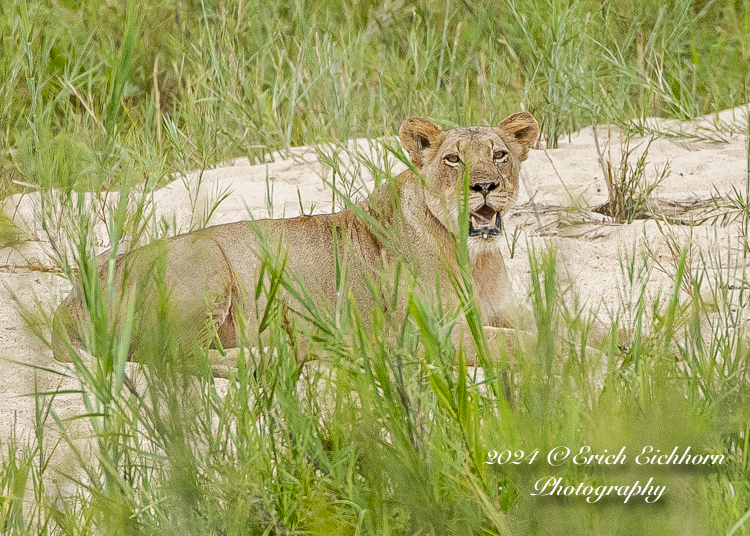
column 500, row 156
column 452, row 159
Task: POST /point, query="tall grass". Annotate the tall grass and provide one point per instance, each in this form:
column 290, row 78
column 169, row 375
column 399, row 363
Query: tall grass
column 386, row 435
column 192, row 83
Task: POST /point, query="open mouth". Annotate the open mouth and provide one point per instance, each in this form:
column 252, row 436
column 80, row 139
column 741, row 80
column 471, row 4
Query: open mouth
column 485, row 222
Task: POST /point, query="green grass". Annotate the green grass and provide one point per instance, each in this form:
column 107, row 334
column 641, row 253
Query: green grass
column 186, row 85
column 391, row 436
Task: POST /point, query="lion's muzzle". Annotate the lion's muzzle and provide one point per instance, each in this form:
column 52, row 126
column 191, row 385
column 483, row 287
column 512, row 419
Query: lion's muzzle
column 485, row 222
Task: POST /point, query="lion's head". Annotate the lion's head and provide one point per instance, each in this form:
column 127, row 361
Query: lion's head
column 493, row 154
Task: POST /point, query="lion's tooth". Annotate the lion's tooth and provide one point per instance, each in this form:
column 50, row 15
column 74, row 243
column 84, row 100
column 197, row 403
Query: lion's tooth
column 494, row 219
column 474, row 222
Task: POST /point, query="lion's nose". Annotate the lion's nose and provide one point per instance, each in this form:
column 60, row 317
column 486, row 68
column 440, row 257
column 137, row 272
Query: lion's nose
column 484, row 187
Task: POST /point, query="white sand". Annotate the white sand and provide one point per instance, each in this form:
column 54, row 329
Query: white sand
column 589, row 252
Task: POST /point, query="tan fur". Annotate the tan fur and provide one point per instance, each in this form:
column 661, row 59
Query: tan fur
column 211, row 275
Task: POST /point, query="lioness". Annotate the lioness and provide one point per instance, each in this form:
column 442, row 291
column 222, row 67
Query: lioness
column 212, row 274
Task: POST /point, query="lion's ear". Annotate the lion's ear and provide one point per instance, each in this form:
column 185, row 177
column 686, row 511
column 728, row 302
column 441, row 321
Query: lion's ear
column 418, row 134
column 524, row 129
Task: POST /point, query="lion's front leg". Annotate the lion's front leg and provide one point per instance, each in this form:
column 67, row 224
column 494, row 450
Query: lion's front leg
column 501, row 342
